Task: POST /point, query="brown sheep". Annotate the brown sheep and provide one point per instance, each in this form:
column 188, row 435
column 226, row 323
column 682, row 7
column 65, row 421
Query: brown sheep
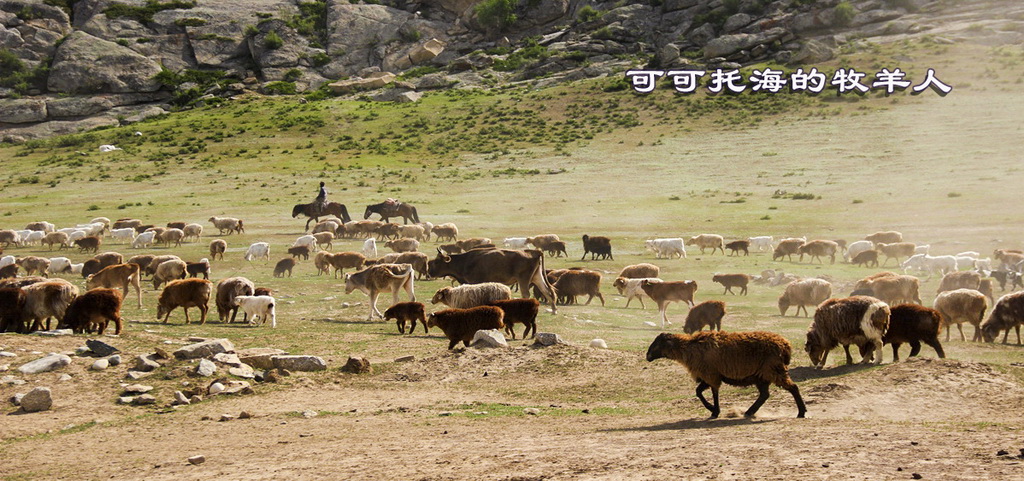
column 157, row 231
column 12, row 304
column 732, row 280
column 324, row 240
column 157, row 260
column 985, row 287
column 638, row 271
column 48, row 299
column 9, row 271
column 887, row 237
column 446, row 232
column 578, row 283
column 34, row 265
column 406, row 312
column 818, row 249
column 326, row 226
column 342, row 260
column 403, row 245
column 286, row 264
column 599, row 246
column 894, row 289
column 704, row 241
column 52, row 238
column 896, row 250
column 184, row 293
column 418, row 260
column 850, row 320
column 738, row 245
column 91, row 243
column 169, row 271
column 115, row 276
column 556, row 249
column 227, row 290
column 217, row 248
column 109, row 259
column 460, row 325
column 1008, row 313
column 519, row 311
column 176, row 225
column 543, row 241
column 195, row 268
column 389, row 230
column 92, row 311
column 172, row 235
column 451, row 249
column 126, row 223
column 91, row 267
column 841, row 243
column 193, row 231
column 471, row 295
column 630, row 288
column 911, row 324
column 802, row 293
column 707, row 313
column 786, row 248
column 415, row 231
column 865, row 282
column 299, row 251
column 868, row 258
column 8, row 237
column 472, row 243
column 321, row 264
column 959, row 280
column 665, row 293
column 263, row 291
column 1010, row 258
column 142, row 260
column 736, row 358
column 20, row 282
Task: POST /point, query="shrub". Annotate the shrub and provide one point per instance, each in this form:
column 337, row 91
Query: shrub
column 190, row 22
column 280, row 88
column 144, row 13
column 843, row 13
column 320, row 59
column 496, row 15
column 410, row 35
column 588, row 13
column 273, row 41
column 292, row 75
column 417, row 72
column 16, row 75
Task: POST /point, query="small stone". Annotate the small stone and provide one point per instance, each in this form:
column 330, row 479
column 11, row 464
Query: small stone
column 204, row 349
column 598, row 344
column 144, row 400
column 488, row 338
column 356, row 365
column 226, row 417
column 138, row 389
column 114, row 360
column 299, row 363
column 548, row 339
column 531, row 411
column 242, row 371
column 125, row 400
column 231, row 359
column 100, row 348
column 180, row 399
column 197, row 460
column 915, row 476
column 100, row 365
column 136, row 375
column 36, row 400
column 310, row 414
column 650, row 324
column 7, row 354
column 146, row 363
column 54, row 333
column 195, row 399
column 5, row 367
column 237, row 387
column 259, row 357
column 64, row 377
column 406, row 359
column 244, row 415
column 82, row 351
column 216, row 388
column 205, row 368
column 45, row 364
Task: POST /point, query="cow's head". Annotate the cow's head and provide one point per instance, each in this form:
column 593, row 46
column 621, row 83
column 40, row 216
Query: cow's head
column 437, row 267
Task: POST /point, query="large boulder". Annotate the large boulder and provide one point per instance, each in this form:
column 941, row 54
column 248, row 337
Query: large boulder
column 358, row 34
column 729, row 44
column 204, row 349
column 259, row 357
column 45, row 364
column 22, row 111
column 86, row 64
column 36, row 37
column 347, row 86
column 299, row 363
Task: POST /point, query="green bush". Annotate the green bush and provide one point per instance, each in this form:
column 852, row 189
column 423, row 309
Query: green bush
column 496, row 15
column 311, row 21
column 843, row 13
column 410, row 35
column 190, row 22
column 588, row 13
column 273, row 41
column 280, row 88
column 521, row 57
column 144, row 13
column 292, row 75
column 320, row 59
column 16, row 75
column 420, row 71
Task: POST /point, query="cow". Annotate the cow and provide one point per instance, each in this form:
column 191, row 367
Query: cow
column 525, row 267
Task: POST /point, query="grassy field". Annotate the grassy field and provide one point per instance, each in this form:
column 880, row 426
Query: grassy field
column 571, row 160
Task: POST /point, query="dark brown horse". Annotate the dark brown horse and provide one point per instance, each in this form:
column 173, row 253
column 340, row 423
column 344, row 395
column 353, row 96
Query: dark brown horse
column 405, row 211
column 310, row 210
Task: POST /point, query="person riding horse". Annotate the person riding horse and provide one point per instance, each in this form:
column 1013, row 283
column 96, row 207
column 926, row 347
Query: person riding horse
column 321, row 199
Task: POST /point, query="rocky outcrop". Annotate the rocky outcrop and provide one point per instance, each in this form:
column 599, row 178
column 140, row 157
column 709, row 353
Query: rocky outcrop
column 86, row 64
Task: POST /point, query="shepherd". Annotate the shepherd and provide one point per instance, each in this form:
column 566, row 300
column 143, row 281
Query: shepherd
column 320, row 204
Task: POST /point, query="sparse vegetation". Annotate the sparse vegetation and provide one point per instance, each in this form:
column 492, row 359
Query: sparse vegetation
column 144, row 13
column 496, row 15
column 844, row 13
column 273, row 41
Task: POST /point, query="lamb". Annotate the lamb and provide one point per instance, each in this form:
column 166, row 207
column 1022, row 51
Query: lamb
column 127, row 234
column 667, row 247
column 887, row 237
column 427, row 229
column 172, row 235
column 856, row 248
column 786, row 248
column 542, row 241
column 924, row 262
column 155, row 262
column 195, row 268
column 599, row 246
column 736, row 358
column 7, row 260
column 59, row 265
column 803, row 293
column 403, row 245
column 818, row 249
column 577, row 283
column 144, row 239
column 192, row 231
column 44, row 300
column 983, row 264
column 324, row 240
column 321, row 264
column 184, row 293
column 299, row 251
column 374, row 279
column 227, row 290
column 12, row 304
column 307, row 240
column 958, row 306
column 343, row 260
column 895, row 250
column 329, row 225
column 256, row 251
column 959, row 280
column 514, row 242
column 665, row 293
column 707, row 240
column 852, row 320
column 462, row 324
column 258, row 307
column 764, row 242
column 868, row 258
column 414, row 231
column 101, row 220
column 168, row 271
column 59, row 238
column 34, row 265
column 707, row 313
column 389, row 230
column 894, row 289
column 473, row 243
column 92, row 311
column 739, row 245
column 286, row 264
column 88, row 244
column 732, row 280
column 217, row 248
column 33, row 238
column 556, row 249
column 227, row 224
column 1008, row 313
column 117, row 275
column 370, row 248
column 630, row 288
column 406, row 312
column 446, row 232
column 922, row 249
column 637, row 271
column 911, row 324
column 519, row 311
column 155, row 230
column 471, row 295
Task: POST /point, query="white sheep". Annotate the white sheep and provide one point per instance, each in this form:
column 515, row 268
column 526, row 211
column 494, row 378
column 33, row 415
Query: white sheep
column 856, row 248
column 258, row 250
column 93, row 229
column 983, row 264
column 59, row 265
column 67, row 230
column 764, row 242
column 6, row 261
column 33, row 237
column 76, row 235
column 922, row 249
column 668, row 247
column 77, row 268
column 193, row 230
column 227, row 224
column 370, row 248
column 127, row 234
column 630, row 288
column 307, row 241
column 144, row 239
column 965, row 262
column 515, row 242
column 924, row 262
column 972, row 254
column 258, row 306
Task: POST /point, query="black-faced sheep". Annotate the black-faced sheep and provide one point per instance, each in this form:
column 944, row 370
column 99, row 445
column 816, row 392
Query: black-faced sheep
column 735, row 358
column 184, row 293
column 803, row 293
column 471, row 295
column 639, row 271
column 578, row 283
column 599, row 246
column 707, row 313
column 911, row 324
column 92, row 311
column 284, row 265
column 460, row 325
column 407, row 312
column 732, row 280
column 853, row 320
column 1008, row 313
column 519, row 311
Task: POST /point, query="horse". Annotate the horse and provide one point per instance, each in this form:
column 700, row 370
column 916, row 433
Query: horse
column 405, row 211
column 310, row 210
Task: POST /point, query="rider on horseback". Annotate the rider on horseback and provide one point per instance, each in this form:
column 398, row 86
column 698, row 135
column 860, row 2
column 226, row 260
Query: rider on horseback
column 321, row 199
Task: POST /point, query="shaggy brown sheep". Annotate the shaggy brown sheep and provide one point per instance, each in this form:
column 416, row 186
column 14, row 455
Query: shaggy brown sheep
column 707, row 313
column 577, row 283
column 184, row 293
column 638, row 271
column 519, row 311
column 92, row 311
column 732, row 280
column 283, row 265
column 460, row 325
column 406, row 312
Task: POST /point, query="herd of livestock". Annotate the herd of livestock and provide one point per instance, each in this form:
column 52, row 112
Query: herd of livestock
column 885, row 308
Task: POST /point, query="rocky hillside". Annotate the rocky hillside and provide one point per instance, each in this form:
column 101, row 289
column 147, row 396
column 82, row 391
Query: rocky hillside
column 68, row 65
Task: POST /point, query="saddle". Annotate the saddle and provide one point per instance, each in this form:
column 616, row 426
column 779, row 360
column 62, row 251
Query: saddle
column 392, row 205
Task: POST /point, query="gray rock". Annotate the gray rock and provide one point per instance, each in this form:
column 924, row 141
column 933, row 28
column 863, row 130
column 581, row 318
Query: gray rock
column 100, row 348
column 206, row 368
column 144, row 400
column 125, row 400
column 197, row 460
column 136, row 375
column 195, row 399
column 406, row 359
column 180, row 399
column 226, row 417
column 45, row 364
column 434, row 81
column 5, row 367
column 702, row 34
column 874, row 16
column 737, row 22
column 100, row 365
column 357, row 31
column 82, row 351
column 216, row 388
column 357, row 365
column 146, row 363
column 36, row 400
column 53, row 333
column 77, row 107
column 673, row 5
column 138, row 388
column 11, row 380
column 231, row 359
column 7, row 354
column 86, row 64
column 397, row 96
column 114, row 360
column 812, row 51
column 242, row 371
column 488, row 338
column 548, row 339
column 667, row 55
column 237, row 387
column 64, row 378
column 728, row 44
column 299, row 363
column 204, row 349
column 531, row 411
column 259, row 357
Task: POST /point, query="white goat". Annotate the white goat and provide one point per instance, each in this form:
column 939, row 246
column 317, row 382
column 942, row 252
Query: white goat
column 370, row 248
column 258, row 250
column 258, row 306
column 515, row 242
column 144, row 239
